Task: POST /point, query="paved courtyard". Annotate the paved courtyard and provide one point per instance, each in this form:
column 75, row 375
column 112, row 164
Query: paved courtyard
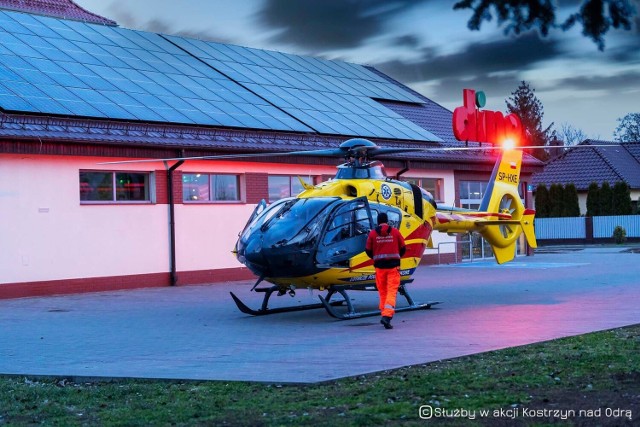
column 196, row 332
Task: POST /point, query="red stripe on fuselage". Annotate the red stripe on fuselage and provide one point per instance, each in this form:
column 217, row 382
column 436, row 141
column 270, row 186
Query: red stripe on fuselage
column 444, row 218
column 422, row 232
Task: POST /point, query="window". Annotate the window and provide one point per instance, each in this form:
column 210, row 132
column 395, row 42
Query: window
column 471, row 193
column 203, row 187
column 105, row 186
column 432, row 185
column 281, row 186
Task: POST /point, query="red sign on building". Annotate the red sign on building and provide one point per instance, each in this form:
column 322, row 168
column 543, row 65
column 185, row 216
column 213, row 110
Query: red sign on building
column 472, row 124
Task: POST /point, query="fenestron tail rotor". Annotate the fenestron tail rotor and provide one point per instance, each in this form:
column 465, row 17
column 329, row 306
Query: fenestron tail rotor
column 507, row 206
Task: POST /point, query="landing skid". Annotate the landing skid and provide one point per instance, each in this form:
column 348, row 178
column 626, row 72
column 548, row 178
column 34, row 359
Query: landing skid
column 327, row 304
column 264, row 309
column 353, row 314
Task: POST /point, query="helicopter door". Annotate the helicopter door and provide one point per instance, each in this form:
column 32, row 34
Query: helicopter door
column 345, row 234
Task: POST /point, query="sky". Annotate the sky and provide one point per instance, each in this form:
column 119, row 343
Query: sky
column 424, row 44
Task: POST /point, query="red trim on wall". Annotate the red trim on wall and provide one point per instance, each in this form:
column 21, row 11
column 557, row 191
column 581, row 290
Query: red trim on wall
column 116, row 283
column 214, row 276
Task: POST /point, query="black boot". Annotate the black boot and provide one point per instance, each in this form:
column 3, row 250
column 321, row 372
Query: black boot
column 386, row 322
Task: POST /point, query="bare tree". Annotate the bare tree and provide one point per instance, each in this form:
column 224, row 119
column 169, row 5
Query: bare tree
column 570, row 135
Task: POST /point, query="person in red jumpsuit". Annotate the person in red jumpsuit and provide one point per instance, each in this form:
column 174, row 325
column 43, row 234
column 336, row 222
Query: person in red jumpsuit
column 385, row 245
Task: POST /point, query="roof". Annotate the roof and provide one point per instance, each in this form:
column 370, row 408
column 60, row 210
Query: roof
column 69, row 68
column 65, row 9
column 65, row 80
column 594, row 161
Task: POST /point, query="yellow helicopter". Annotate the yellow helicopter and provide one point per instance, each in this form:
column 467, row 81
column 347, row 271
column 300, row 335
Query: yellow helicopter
column 316, row 240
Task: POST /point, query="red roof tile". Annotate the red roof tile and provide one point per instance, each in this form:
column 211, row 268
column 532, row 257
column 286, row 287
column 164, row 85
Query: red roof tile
column 65, row 9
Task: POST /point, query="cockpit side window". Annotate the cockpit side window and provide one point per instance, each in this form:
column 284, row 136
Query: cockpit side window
column 394, row 215
column 348, row 221
column 339, row 228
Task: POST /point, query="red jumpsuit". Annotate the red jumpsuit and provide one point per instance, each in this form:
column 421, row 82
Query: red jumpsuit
column 385, row 245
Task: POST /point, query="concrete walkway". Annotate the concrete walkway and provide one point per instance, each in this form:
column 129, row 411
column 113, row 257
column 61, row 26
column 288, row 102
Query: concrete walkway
column 197, row 332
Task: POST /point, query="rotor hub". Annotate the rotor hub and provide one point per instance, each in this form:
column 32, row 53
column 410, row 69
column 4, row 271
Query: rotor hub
column 357, row 148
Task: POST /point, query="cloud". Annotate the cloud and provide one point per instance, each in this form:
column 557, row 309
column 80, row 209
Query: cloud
column 127, row 20
column 608, row 83
column 505, row 55
column 322, row 25
column 449, row 90
column 408, row 40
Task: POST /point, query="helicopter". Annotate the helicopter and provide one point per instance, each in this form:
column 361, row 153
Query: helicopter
column 316, row 239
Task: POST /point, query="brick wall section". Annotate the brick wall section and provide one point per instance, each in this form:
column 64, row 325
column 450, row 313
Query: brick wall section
column 162, row 196
column 72, row 286
column 257, row 187
column 162, row 187
column 115, row 283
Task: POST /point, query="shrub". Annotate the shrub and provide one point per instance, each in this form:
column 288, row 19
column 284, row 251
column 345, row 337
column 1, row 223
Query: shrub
column 621, row 199
column 606, row 199
column 556, row 200
column 542, row 201
column 593, row 200
column 571, row 206
column 619, row 234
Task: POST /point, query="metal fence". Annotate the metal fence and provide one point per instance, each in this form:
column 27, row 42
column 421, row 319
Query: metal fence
column 560, row 228
column 603, row 226
column 579, row 228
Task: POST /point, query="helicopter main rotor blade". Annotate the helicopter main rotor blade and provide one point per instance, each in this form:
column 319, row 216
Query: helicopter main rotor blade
column 498, row 147
column 373, row 151
column 391, row 150
column 333, row 152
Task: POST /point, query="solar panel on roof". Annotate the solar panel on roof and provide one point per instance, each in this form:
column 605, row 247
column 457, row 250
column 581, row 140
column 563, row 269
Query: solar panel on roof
column 99, row 71
column 105, row 71
column 300, row 86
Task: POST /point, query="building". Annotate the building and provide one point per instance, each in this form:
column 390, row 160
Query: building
column 77, row 92
column 605, row 161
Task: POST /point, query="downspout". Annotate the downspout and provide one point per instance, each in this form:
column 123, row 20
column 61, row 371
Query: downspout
column 403, row 170
column 172, row 222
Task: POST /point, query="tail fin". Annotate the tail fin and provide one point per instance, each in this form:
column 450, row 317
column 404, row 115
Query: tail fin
column 502, row 197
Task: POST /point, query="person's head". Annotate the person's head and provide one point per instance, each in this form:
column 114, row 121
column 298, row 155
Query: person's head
column 382, row 218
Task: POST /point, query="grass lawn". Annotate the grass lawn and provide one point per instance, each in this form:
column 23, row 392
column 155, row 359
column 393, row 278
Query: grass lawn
column 592, row 379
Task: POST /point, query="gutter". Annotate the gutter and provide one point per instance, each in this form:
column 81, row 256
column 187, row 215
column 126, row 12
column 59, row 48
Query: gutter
column 172, row 222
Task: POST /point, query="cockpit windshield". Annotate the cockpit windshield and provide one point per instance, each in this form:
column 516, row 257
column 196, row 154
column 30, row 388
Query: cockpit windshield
column 289, row 218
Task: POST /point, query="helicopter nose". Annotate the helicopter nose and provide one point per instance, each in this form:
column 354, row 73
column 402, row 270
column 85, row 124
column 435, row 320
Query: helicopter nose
column 254, row 258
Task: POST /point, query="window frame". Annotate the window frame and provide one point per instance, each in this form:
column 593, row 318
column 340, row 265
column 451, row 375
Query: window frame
column 472, row 202
column 312, row 178
column 438, row 196
column 210, row 175
column 150, row 190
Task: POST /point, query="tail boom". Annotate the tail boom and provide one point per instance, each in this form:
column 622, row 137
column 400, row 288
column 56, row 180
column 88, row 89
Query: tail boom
column 502, row 217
